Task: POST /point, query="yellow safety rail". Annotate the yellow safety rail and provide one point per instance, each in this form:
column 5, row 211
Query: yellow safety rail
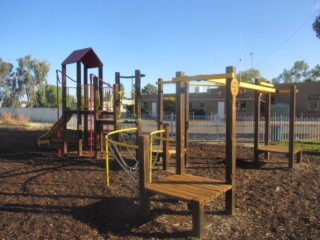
column 108, row 140
column 153, row 136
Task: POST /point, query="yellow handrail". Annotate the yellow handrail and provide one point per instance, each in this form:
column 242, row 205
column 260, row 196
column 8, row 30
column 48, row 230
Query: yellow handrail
column 116, row 143
column 151, row 137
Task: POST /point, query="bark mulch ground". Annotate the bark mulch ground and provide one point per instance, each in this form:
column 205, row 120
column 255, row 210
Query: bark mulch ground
column 43, row 196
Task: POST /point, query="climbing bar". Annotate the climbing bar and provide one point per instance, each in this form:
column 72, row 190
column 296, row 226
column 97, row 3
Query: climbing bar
column 205, row 77
column 141, row 75
column 285, row 91
column 205, row 84
column 257, row 87
column 267, row 84
column 221, row 82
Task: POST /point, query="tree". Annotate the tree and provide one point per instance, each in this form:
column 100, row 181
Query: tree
column 314, row 74
column 5, row 70
column 169, row 104
column 31, row 76
column 316, row 26
column 298, row 73
column 250, row 75
column 149, row 89
column 50, row 97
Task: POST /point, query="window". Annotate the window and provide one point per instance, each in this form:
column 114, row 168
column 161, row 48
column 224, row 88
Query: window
column 190, row 105
column 202, row 106
column 313, row 103
column 241, row 106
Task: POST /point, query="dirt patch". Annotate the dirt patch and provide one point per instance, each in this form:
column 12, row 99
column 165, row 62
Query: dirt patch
column 43, row 196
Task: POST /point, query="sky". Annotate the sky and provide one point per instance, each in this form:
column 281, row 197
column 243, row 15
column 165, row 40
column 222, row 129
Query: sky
column 161, row 37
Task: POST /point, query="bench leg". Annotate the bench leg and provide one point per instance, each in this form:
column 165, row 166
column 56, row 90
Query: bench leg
column 299, row 156
column 230, row 201
column 198, row 218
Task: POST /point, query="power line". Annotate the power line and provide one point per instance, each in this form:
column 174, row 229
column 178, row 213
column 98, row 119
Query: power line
column 287, row 40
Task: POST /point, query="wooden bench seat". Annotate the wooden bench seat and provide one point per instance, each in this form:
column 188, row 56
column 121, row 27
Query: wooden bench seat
column 189, row 188
column 280, row 149
column 196, row 190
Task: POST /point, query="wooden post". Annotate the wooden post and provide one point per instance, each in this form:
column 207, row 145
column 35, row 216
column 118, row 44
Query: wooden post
column 85, row 106
column 137, row 86
column 144, row 176
column 64, row 108
column 186, row 144
column 256, row 123
column 180, row 124
column 116, row 109
column 116, row 99
column 166, row 147
column 95, row 116
column 232, row 88
column 101, row 137
column 267, row 123
column 79, row 119
column 160, row 104
column 292, row 124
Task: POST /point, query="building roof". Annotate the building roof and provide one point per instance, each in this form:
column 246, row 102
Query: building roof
column 87, row 56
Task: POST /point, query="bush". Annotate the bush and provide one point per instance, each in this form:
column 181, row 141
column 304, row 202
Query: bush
column 22, row 120
column 7, row 118
column 11, row 119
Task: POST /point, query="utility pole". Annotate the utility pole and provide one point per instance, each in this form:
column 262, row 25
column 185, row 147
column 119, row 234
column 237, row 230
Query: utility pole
column 251, row 72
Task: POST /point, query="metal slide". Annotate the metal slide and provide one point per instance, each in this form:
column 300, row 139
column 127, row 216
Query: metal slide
column 45, row 138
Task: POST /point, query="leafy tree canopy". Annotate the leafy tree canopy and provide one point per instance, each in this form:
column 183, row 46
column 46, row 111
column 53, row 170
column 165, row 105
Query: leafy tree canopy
column 300, row 72
column 5, row 70
column 249, row 75
column 31, row 76
column 316, row 26
column 149, row 89
column 24, row 82
column 169, row 104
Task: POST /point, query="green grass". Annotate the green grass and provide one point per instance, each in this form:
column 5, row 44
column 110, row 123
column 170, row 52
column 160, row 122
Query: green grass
column 306, row 145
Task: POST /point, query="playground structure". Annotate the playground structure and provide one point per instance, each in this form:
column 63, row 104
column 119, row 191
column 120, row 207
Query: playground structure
column 97, row 104
column 94, row 120
column 198, row 191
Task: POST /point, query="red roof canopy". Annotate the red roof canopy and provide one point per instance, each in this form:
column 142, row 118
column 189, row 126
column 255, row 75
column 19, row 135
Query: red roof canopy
column 87, row 56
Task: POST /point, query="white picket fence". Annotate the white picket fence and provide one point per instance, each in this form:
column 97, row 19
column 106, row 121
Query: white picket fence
column 203, row 128
column 214, row 128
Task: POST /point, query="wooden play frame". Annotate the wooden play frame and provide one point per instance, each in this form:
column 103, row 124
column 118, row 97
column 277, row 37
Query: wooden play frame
column 196, row 190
